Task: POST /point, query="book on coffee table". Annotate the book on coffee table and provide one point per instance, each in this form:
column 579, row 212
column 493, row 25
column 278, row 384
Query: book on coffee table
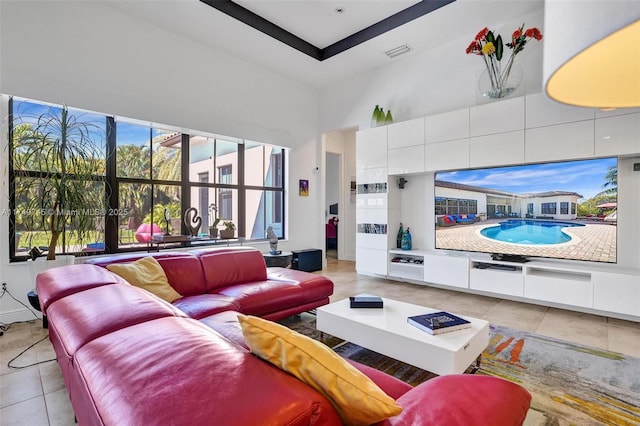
column 365, row 301
column 438, row 322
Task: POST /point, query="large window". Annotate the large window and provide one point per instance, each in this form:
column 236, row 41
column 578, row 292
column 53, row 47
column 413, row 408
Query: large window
column 548, row 208
column 450, row 206
column 57, row 177
column 564, row 207
column 141, row 181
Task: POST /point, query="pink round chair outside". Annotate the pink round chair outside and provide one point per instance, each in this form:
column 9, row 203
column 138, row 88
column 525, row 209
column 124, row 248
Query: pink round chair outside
column 146, row 231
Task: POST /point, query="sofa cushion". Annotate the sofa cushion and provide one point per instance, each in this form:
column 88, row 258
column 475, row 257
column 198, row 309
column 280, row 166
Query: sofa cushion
column 89, row 314
column 263, row 297
column 203, row 305
column 227, row 324
column 224, row 268
column 146, row 273
column 176, row 371
column 357, row 399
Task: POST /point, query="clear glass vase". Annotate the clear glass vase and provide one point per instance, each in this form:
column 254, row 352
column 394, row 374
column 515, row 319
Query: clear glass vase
column 496, row 82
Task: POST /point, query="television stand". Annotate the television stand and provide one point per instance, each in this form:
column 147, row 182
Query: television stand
column 509, row 258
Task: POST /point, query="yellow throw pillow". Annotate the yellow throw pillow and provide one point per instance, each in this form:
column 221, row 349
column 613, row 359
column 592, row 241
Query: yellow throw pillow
column 146, row 273
column 356, row 398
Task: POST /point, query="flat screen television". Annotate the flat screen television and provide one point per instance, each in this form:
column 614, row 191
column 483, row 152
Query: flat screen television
column 561, row 210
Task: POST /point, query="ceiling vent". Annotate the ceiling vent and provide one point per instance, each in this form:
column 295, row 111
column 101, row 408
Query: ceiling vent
column 397, row 51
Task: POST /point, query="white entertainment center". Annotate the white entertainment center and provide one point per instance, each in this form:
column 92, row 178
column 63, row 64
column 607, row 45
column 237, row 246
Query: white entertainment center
column 531, row 129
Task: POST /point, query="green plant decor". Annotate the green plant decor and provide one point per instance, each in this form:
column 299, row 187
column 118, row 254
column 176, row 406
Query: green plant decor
column 229, row 225
column 59, row 180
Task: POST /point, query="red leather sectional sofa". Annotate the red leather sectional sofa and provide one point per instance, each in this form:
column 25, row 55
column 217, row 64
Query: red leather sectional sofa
column 130, row 358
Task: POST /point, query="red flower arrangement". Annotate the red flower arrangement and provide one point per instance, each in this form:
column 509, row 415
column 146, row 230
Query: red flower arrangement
column 491, row 48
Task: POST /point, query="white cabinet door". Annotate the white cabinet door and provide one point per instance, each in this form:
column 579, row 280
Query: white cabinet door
column 372, row 241
column 616, row 292
column 497, row 281
column 446, row 155
column 447, row 270
column 497, row 117
column 372, row 215
column 618, row 135
column 405, row 133
column 553, row 286
column 562, row 142
column 542, row 111
column 447, row 126
column 371, row 261
column 371, row 148
column 497, row 150
column 406, row 160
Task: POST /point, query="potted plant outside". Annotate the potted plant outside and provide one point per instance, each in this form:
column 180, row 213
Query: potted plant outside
column 59, row 159
column 228, row 231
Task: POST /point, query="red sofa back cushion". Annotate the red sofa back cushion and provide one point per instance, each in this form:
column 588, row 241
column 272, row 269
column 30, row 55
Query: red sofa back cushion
column 228, row 267
column 183, row 270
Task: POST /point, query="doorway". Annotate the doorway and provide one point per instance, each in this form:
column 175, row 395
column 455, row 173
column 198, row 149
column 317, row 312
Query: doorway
column 332, row 202
column 338, row 198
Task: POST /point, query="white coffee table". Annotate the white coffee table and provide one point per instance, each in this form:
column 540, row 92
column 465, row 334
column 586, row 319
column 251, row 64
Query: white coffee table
column 386, row 331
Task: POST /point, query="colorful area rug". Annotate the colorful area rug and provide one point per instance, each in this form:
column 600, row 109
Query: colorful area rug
column 570, row 384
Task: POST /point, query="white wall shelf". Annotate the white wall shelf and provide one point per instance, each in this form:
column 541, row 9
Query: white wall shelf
column 407, row 265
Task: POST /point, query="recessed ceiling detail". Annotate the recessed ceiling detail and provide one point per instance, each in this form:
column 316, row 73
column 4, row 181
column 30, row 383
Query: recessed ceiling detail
column 267, row 27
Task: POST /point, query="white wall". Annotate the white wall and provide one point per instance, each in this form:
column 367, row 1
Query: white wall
column 88, row 55
column 420, row 84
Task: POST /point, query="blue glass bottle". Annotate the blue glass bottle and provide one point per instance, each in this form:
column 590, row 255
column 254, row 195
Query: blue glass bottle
column 406, row 240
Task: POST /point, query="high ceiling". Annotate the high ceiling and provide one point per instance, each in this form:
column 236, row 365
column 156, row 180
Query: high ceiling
column 318, row 23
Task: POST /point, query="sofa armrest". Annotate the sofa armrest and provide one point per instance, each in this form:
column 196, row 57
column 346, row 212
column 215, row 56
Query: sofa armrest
column 56, row 283
column 463, row 400
column 314, row 286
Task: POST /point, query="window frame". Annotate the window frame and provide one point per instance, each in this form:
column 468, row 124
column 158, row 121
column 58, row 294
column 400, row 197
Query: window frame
column 548, row 208
column 112, row 227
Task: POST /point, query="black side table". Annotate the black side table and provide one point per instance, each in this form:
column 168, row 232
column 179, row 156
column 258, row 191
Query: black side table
column 35, row 303
column 282, row 260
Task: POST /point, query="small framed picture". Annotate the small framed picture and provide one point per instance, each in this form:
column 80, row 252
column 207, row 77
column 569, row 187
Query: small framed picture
column 304, row 188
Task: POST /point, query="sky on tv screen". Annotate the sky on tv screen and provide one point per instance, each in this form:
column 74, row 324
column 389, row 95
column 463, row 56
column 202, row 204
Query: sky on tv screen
column 586, row 177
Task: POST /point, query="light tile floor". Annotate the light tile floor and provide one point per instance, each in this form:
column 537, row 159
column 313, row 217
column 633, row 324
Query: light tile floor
column 36, row 395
